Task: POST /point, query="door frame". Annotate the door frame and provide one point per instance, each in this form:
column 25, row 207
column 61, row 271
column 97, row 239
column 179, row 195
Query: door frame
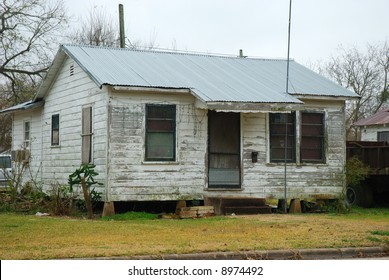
column 238, row 185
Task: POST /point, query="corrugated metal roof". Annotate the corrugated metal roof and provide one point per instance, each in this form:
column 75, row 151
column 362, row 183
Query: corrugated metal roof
column 381, row 117
column 23, row 106
column 211, row 78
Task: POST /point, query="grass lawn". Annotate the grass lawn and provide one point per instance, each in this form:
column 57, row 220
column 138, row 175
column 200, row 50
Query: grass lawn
column 32, row 237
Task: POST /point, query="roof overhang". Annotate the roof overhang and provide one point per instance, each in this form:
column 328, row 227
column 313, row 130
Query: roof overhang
column 29, row 105
column 251, row 107
column 150, row 89
column 324, row 97
column 220, row 106
column 50, row 75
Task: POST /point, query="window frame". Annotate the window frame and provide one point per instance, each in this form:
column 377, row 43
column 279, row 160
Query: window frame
column 55, row 129
column 384, row 132
column 26, row 140
column 87, row 135
column 151, row 131
column 313, row 136
column 291, row 122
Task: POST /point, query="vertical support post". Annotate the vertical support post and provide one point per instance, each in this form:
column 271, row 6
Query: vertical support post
column 286, row 121
column 121, row 26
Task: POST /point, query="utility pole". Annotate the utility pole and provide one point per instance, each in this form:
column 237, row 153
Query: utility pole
column 286, row 119
column 121, row 27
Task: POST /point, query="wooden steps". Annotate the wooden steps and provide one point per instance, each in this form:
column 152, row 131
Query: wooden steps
column 239, row 205
column 195, row 212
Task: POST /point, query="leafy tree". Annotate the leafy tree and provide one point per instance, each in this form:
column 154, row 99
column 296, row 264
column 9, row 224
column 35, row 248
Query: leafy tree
column 365, row 73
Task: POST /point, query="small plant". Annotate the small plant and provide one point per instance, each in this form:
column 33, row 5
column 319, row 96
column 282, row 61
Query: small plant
column 61, row 199
column 29, row 199
column 356, row 171
column 84, row 176
column 95, row 198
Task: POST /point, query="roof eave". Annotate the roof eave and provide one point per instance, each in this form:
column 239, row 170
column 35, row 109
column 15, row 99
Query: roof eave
column 324, row 97
column 29, row 105
column 253, row 107
column 50, row 75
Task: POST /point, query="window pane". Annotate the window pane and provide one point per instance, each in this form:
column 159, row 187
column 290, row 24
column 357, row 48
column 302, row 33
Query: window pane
column 5, row 162
column 160, row 125
column 26, row 131
column 312, row 118
column 312, row 130
column 281, row 124
column 278, row 154
column 161, row 111
column 160, row 146
column 55, row 122
column 312, row 140
column 160, row 132
column 383, row 136
column 55, row 130
column 55, row 137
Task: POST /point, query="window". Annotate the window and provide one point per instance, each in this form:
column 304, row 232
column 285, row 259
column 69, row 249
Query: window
column 383, row 136
column 282, row 128
column 312, row 137
column 26, row 130
column 86, row 135
column 160, row 132
column 55, row 130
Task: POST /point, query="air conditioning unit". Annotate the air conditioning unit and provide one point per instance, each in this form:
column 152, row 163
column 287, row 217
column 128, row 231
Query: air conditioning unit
column 20, row 156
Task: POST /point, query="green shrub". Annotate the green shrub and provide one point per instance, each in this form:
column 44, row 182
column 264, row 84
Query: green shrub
column 61, row 199
column 356, row 171
column 95, row 198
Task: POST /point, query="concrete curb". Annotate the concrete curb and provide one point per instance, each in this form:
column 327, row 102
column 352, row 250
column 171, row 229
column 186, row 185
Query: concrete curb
column 298, row 254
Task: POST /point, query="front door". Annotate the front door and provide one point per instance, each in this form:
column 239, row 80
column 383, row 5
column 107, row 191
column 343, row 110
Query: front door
column 223, row 150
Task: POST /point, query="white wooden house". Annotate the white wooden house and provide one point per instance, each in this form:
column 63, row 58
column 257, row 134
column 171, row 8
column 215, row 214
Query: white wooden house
column 375, row 127
column 176, row 126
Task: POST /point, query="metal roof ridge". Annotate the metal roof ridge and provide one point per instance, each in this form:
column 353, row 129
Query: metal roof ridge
column 179, row 52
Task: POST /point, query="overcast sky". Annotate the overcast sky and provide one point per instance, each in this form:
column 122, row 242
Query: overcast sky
column 259, row 27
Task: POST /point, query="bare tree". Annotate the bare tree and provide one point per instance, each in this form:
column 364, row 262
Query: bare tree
column 28, row 29
column 98, row 29
column 364, row 73
column 28, row 36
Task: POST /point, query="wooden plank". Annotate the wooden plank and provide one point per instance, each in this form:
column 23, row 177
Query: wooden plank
column 195, row 212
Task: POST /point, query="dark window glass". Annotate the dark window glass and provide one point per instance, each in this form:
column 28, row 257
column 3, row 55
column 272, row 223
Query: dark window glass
column 312, row 137
column 383, row 136
column 26, row 134
column 55, row 130
column 282, row 130
column 160, row 132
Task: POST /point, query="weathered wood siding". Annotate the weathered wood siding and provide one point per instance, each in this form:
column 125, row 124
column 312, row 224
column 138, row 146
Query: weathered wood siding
column 35, row 158
column 266, row 180
column 130, row 177
column 370, row 133
column 71, row 91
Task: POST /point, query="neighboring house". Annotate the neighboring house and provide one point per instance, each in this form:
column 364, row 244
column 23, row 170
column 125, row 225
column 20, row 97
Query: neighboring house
column 176, row 126
column 375, row 127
